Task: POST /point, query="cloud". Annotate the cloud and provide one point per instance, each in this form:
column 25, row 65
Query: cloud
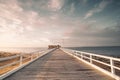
column 55, row 5
column 17, row 17
column 88, row 34
column 16, row 23
column 98, row 8
column 44, row 5
column 72, row 9
column 21, row 26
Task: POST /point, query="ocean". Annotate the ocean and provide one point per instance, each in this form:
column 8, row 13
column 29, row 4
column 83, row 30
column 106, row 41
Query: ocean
column 113, row 51
column 22, row 49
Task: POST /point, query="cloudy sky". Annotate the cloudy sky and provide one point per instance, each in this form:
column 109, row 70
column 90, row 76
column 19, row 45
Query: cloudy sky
column 37, row 23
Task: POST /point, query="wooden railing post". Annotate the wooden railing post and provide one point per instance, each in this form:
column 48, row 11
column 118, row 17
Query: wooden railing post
column 91, row 58
column 38, row 54
column 31, row 56
column 81, row 55
column 21, row 58
column 112, row 64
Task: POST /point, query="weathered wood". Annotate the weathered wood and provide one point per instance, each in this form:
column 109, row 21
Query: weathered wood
column 58, row 65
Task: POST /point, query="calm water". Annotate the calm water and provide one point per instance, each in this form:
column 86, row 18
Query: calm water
column 23, row 50
column 109, row 51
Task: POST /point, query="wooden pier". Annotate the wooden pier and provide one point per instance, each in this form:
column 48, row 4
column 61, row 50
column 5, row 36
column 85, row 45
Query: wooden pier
column 58, row 65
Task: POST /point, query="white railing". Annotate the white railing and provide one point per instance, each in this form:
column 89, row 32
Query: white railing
column 106, row 64
column 20, row 61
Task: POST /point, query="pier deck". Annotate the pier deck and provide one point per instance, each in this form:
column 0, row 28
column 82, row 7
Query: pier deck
column 58, row 65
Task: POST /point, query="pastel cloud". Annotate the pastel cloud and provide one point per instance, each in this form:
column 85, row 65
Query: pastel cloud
column 20, row 26
column 55, row 5
column 97, row 9
column 15, row 22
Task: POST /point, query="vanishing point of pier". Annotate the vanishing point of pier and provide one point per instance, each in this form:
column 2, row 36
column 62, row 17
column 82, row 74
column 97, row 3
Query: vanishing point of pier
column 58, row 65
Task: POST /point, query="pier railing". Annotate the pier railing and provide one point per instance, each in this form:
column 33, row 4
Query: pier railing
column 106, row 64
column 9, row 65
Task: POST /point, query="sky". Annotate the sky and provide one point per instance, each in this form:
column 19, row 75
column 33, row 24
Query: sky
column 70, row 23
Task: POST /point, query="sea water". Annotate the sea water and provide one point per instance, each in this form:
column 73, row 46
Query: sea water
column 113, row 51
column 104, row 50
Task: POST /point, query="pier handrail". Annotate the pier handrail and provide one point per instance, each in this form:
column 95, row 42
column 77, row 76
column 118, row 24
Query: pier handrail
column 20, row 56
column 10, row 57
column 32, row 57
column 91, row 59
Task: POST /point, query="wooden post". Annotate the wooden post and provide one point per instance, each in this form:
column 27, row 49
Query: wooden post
column 21, row 58
column 31, row 56
column 91, row 58
column 81, row 55
column 112, row 68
